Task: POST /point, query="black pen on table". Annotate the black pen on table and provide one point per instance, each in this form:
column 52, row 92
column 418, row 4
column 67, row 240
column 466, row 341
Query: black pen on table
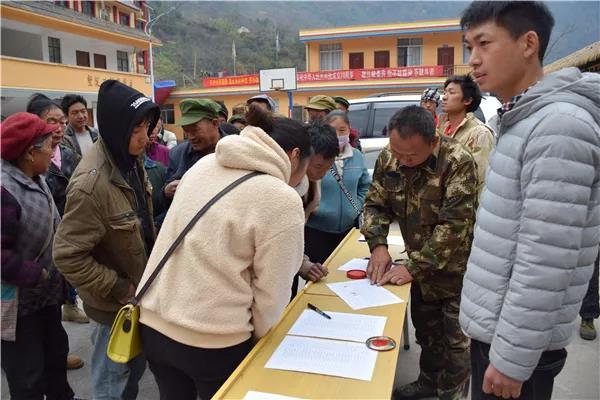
column 317, row 310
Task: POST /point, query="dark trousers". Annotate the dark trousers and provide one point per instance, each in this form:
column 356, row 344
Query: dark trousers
column 184, row 372
column 537, row 387
column 590, row 307
column 295, row 283
column 36, row 363
column 444, row 362
column 319, row 245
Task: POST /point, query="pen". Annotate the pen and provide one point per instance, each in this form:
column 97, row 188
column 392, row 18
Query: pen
column 316, row 309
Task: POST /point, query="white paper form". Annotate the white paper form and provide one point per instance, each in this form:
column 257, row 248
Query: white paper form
column 359, row 294
column 325, row 357
column 355, row 263
column 392, row 240
column 252, row 395
column 341, row 326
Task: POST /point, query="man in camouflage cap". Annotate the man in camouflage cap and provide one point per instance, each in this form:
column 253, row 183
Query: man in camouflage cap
column 199, row 121
column 428, row 184
column 430, row 99
column 319, row 106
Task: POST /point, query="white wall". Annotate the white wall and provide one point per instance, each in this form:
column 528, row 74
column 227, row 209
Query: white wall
column 69, row 43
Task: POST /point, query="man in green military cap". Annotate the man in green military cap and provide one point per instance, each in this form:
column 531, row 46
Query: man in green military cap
column 428, row 184
column 319, row 106
column 199, row 120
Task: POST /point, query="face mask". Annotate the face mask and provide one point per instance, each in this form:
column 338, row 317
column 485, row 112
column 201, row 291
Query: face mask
column 302, row 187
column 343, row 141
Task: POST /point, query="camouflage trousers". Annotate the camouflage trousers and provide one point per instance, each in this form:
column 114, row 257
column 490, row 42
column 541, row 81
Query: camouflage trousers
column 445, row 361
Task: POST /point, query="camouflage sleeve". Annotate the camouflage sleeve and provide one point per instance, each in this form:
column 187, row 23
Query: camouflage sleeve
column 455, row 227
column 482, row 147
column 378, row 214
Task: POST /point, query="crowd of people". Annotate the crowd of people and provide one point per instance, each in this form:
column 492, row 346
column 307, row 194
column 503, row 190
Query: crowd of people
column 501, row 224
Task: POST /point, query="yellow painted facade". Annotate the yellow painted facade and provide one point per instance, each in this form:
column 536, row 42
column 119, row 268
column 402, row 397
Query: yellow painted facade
column 366, row 39
column 19, row 73
column 368, row 46
column 20, row 77
column 73, row 27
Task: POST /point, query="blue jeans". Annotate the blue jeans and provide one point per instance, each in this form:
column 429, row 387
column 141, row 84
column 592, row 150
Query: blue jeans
column 111, row 380
column 72, row 294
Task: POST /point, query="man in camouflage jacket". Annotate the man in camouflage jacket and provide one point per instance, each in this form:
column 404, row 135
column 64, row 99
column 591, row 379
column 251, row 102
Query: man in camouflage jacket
column 429, row 185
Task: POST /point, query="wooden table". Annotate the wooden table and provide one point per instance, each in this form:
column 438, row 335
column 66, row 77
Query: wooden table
column 251, row 374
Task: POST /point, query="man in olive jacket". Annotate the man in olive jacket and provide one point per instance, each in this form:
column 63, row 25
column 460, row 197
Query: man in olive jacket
column 107, row 233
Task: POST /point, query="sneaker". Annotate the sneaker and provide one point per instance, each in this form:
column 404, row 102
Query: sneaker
column 70, row 312
column 587, row 330
column 414, row 390
column 74, row 362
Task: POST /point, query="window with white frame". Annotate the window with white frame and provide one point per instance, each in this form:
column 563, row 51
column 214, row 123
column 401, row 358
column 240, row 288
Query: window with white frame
column 410, row 52
column 330, row 56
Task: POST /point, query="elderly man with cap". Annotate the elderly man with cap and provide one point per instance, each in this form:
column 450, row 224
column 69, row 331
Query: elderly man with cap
column 430, row 99
column 264, row 101
column 34, row 342
column 319, row 106
column 342, row 104
column 199, row 120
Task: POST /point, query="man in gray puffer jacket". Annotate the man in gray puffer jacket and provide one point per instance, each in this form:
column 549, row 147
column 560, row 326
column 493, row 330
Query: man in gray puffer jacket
column 538, row 224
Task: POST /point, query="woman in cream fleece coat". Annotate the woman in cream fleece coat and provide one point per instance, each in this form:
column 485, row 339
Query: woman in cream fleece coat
column 229, row 280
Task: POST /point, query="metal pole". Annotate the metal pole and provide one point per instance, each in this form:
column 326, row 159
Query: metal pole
column 290, row 103
column 149, row 25
column 151, row 64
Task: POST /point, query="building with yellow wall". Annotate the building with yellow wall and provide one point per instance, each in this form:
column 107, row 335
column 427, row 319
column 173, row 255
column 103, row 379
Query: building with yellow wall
column 71, row 47
column 353, row 62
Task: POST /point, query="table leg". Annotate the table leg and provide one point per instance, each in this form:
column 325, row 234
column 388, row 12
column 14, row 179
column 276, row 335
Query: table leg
column 406, row 338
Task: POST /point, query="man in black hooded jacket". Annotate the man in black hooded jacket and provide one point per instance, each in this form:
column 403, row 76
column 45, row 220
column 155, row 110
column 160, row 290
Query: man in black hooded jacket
column 107, row 233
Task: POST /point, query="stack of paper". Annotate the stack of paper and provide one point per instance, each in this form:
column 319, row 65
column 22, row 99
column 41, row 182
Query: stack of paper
column 326, row 357
column 252, row 395
column 392, row 240
column 360, row 294
column 355, row 263
column 341, row 326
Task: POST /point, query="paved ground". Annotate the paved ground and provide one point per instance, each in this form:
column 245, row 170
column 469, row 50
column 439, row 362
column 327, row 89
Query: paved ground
column 578, row 381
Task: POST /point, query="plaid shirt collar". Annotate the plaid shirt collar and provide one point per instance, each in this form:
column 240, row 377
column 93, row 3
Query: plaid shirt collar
column 509, row 105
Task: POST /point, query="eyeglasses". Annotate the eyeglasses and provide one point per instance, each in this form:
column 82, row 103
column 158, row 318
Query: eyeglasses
column 60, row 121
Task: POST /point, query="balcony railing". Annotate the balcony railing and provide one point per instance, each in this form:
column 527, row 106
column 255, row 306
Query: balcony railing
column 26, row 74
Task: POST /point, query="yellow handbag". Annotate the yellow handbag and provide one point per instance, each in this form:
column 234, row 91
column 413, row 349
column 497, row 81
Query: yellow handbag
column 125, row 342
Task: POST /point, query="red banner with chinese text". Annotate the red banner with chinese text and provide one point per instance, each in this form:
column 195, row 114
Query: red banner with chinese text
column 337, row 75
column 237, row 80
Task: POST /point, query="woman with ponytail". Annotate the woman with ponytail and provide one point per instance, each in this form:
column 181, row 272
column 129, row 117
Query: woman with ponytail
column 229, row 280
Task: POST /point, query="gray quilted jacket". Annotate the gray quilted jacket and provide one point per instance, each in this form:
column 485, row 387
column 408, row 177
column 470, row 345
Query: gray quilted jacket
column 538, row 224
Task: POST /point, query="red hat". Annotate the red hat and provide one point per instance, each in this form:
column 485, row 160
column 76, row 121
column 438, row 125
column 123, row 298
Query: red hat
column 19, row 131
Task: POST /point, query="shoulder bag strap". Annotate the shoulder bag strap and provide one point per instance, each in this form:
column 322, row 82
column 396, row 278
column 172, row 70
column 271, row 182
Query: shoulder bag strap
column 188, row 227
column 340, row 182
